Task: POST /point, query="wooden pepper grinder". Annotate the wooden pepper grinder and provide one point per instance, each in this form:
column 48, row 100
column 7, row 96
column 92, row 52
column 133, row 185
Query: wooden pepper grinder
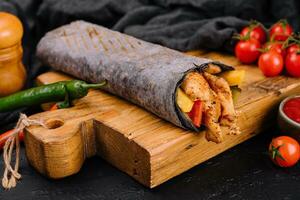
column 12, row 71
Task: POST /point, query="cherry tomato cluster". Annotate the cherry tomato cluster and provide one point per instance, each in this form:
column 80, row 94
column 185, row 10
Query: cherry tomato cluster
column 284, row 151
column 273, row 48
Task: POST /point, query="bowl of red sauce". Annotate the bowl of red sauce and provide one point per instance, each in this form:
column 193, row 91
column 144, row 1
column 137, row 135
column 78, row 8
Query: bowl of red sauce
column 289, row 116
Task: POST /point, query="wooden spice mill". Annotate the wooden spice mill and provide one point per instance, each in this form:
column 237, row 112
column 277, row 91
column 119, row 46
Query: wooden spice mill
column 12, row 71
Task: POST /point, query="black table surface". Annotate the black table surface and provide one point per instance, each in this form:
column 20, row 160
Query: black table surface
column 243, row 172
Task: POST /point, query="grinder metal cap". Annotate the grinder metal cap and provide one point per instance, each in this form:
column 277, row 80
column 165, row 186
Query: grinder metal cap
column 11, row 30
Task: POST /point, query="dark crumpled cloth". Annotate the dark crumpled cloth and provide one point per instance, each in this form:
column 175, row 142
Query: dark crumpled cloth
column 178, row 24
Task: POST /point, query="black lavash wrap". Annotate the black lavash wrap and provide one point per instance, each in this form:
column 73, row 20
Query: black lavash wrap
column 143, row 73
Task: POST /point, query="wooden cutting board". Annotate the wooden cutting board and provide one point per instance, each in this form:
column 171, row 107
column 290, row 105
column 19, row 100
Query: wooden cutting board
column 137, row 142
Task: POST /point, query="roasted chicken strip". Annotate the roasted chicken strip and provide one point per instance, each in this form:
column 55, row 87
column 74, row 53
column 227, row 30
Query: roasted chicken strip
column 213, row 69
column 222, row 89
column 196, row 87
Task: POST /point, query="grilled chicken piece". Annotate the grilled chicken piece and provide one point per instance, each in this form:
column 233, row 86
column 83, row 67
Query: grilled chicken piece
column 196, row 87
column 213, row 69
column 222, row 89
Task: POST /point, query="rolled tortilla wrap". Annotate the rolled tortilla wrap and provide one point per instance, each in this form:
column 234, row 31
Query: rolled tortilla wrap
column 143, row 73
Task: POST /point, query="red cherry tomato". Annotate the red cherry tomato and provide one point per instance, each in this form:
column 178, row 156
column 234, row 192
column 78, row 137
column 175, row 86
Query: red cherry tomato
column 247, row 50
column 270, row 63
column 256, row 32
column 293, row 48
column 281, row 30
column 284, row 151
column 275, row 46
column 292, row 64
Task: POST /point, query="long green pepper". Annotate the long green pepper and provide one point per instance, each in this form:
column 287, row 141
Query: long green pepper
column 64, row 91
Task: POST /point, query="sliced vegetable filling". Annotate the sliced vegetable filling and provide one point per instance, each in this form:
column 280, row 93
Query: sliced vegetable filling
column 196, row 113
column 208, row 99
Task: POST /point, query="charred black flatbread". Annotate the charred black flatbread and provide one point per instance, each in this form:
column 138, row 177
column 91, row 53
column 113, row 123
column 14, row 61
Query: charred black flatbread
column 143, row 73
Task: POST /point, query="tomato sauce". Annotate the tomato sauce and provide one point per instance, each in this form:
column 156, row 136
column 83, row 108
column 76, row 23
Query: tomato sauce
column 292, row 109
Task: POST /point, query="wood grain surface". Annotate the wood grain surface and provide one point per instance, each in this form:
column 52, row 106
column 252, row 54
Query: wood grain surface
column 137, row 142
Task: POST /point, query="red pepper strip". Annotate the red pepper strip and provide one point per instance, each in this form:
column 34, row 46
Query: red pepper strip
column 54, row 107
column 7, row 133
column 21, row 134
column 59, row 105
column 196, row 113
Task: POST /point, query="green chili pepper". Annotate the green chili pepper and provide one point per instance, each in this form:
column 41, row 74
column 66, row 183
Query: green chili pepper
column 64, row 91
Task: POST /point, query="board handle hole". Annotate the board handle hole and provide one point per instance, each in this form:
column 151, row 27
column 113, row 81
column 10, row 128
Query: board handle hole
column 54, row 123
